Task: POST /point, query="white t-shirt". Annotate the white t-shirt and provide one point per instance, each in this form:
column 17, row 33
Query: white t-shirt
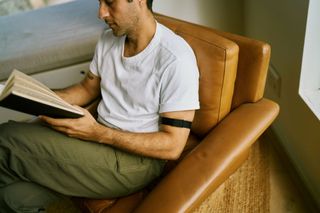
column 163, row 77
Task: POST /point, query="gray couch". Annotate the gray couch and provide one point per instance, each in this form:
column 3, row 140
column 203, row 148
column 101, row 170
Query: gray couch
column 49, row 38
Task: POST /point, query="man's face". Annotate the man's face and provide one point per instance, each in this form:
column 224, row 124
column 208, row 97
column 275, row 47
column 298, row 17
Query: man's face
column 120, row 15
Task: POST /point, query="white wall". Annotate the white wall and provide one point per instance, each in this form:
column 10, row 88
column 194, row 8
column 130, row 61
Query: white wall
column 219, row 14
column 282, row 23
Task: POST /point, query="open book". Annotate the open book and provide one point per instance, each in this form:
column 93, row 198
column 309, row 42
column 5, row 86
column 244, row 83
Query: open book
column 25, row 94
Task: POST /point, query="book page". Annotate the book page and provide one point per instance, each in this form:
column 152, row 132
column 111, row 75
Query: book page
column 37, row 95
column 36, row 88
column 21, row 77
column 42, row 98
column 7, row 86
column 31, row 85
column 16, row 76
column 20, row 74
column 1, row 88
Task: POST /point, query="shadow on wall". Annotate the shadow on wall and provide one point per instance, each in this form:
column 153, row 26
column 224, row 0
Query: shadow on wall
column 218, row 14
column 223, row 15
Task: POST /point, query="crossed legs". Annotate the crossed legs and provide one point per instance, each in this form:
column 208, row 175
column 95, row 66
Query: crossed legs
column 37, row 164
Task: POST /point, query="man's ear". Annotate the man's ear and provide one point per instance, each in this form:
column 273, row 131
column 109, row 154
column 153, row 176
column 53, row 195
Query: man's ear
column 142, row 2
column 139, row 1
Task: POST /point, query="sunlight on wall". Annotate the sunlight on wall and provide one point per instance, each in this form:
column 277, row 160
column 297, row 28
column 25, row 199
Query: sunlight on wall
column 310, row 72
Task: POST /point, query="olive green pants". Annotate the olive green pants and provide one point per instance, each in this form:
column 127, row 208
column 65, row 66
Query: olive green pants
column 37, row 164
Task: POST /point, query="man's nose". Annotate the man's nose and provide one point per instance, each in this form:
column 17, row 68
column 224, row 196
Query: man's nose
column 103, row 11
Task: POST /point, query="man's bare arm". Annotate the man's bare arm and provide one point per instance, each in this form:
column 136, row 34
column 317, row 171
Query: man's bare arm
column 167, row 143
column 83, row 93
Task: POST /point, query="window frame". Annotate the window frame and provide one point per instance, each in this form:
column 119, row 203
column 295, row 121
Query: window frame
column 309, row 87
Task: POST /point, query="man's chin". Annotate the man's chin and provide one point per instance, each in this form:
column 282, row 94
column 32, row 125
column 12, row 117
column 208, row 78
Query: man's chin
column 117, row 33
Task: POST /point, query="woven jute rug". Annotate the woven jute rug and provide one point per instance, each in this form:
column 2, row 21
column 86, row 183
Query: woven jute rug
column 247, row 190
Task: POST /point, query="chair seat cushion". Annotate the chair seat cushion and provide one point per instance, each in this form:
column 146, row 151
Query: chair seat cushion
column 124, row 204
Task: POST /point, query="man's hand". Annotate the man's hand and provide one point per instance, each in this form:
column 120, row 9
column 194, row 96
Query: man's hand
column 82, row 128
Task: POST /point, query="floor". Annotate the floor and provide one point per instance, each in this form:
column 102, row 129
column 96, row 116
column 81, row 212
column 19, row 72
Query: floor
column 285, row 195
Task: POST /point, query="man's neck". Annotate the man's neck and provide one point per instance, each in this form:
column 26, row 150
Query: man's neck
column 139, row 39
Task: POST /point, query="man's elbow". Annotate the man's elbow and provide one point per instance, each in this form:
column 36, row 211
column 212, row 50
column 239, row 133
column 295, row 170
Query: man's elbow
column 173, row 145
column 173, row 156
column 175, row 152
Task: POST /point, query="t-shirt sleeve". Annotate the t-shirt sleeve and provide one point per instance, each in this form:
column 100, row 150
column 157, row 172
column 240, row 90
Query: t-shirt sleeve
column 95, row 61
column 180, row 86
column 95, row 65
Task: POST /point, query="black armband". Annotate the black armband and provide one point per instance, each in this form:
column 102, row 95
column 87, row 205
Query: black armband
column 175, row 122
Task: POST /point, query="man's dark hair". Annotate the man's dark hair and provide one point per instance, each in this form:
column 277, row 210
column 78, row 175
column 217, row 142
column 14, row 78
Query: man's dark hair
column 149, row 4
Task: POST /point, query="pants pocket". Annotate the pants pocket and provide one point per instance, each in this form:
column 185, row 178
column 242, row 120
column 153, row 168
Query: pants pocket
column 130, row 163
column 137, row 171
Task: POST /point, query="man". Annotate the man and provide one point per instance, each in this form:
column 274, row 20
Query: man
column 148, row 80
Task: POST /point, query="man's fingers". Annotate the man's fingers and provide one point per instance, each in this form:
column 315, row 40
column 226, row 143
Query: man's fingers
column 64, row 130
column 55, row 122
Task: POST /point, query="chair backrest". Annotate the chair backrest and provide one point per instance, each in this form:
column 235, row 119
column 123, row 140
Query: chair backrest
column 228, row 77
column 217, row 59
column 253, row 64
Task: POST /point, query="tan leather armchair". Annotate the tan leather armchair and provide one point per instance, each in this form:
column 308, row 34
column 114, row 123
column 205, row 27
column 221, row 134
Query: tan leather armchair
column 232, row 116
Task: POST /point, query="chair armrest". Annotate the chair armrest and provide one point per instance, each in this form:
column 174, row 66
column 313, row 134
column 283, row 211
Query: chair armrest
column 218, row 155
